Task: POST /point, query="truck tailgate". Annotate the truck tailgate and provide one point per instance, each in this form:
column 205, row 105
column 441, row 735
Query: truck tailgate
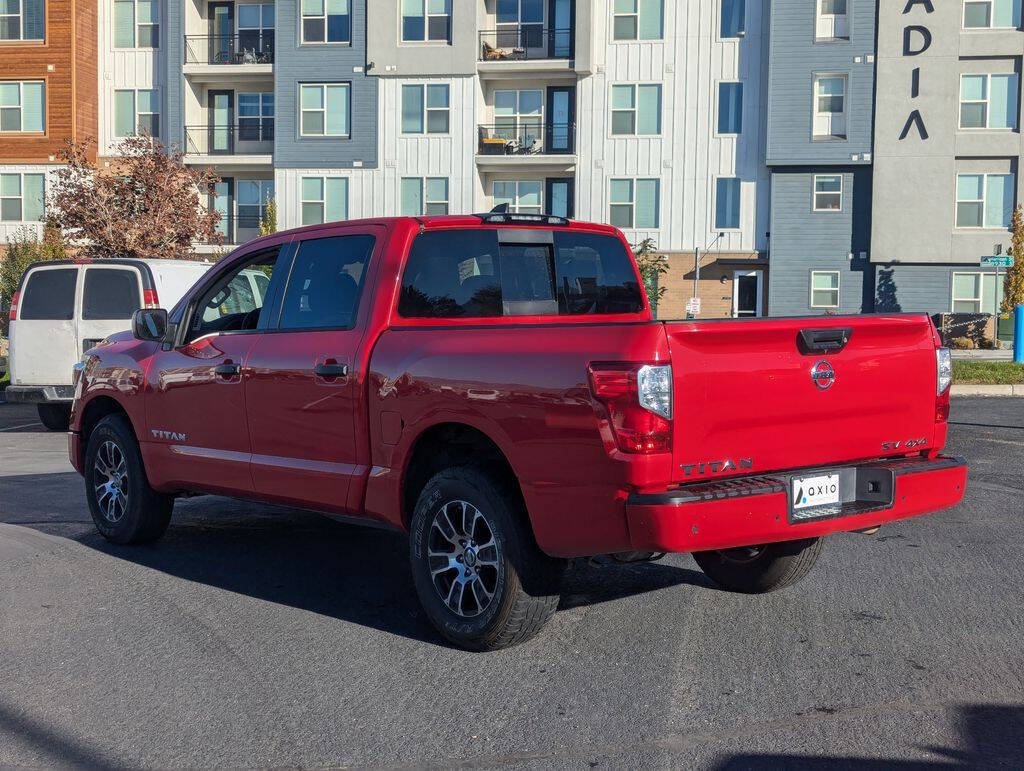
column 746, row 401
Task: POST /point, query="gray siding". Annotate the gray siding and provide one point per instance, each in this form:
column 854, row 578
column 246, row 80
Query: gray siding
column 296, row 64
column 918, row 288
column 794, row 58
column 390, row 56
column 803, row 240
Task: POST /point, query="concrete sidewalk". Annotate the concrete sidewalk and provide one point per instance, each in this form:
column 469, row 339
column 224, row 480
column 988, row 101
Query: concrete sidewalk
column 988, row 390
column 999, row 354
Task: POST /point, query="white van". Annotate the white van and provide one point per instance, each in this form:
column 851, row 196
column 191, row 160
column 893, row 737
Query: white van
column 64, row 307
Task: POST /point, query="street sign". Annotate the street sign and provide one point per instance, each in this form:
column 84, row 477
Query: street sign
column 997, row 261
column 693, row 306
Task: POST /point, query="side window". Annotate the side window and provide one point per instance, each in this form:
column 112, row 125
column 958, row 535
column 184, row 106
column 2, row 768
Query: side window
column 452, row 274
column 110, row 294
column 49, row 295
column 231, row 305
column 325, row 282
column 595, row 275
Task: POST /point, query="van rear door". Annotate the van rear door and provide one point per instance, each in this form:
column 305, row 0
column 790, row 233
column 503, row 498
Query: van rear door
column 110, row 295
column 44, row 333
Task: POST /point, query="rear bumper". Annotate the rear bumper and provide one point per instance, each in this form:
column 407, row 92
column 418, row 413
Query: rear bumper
column 41, row 394
column 755, row 510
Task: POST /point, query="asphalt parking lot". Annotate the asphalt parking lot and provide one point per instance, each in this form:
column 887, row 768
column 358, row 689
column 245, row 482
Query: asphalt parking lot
column 261, row 636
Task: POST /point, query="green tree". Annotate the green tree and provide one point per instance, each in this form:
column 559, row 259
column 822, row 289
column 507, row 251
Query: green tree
column 1013, row 288
column 653, row 265
column 268, row 220
column 23, row 250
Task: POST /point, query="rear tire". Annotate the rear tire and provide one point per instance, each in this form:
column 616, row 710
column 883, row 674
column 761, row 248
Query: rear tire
column 56, row 417
column 125, row 509
column 480, row 576
column 759, row 569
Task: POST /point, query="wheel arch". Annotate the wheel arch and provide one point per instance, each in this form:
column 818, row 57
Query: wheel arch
column 98, row 408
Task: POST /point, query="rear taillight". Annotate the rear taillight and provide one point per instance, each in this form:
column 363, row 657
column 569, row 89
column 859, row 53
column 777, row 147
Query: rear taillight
column 13, row 315
column 638, row 399
column 150, row 298
column 943, row 381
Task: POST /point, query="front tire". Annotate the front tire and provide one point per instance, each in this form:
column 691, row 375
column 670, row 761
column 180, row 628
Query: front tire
column 480, row 576
column 56, row 417
column 125, row 509
column 759, row 569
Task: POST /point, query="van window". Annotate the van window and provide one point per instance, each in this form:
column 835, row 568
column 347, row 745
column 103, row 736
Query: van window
column 325, row 282
column 110, row 294
column 467, row 274
column 49, row 295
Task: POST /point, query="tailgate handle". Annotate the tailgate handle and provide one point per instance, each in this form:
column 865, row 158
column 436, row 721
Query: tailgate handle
column 824, row 340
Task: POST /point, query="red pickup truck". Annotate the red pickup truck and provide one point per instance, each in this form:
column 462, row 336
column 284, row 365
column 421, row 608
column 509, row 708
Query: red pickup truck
column 494, row 385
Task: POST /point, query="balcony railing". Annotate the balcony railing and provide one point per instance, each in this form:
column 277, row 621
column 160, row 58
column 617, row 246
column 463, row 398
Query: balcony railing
column 519, row 42
column 526, row 137
column 255, row 137
column 252, row 47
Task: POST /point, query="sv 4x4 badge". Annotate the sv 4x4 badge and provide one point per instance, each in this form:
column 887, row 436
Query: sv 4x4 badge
column 904, row 444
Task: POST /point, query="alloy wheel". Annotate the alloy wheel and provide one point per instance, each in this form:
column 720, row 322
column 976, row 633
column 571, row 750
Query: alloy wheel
column 110, row 479
column 464, row 558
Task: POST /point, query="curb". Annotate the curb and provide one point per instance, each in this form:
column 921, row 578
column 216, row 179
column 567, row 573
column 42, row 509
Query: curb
column 987, row 390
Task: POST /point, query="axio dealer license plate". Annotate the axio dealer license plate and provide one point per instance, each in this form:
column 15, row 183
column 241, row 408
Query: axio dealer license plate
column 809, row 492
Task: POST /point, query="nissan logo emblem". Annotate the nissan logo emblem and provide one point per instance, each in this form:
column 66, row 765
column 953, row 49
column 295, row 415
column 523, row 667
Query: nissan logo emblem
column 823, row 375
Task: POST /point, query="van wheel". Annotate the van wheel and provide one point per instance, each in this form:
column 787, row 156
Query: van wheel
column 758, row 569
column 480, row 576
column 56, row 417
column 123, row 505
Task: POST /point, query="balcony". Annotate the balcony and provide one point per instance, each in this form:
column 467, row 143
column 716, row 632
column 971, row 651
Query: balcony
column 526, row 48
column 249, row 144
column 247, row 53
column 516, row 143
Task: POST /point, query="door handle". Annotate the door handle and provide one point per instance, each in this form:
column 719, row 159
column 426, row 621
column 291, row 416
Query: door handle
column 330, row 369
column 228, row 370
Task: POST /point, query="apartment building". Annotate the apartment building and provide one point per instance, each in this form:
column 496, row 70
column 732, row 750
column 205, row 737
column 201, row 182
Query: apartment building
column 48, row 86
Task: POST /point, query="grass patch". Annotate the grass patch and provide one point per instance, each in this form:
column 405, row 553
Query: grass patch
column 987, row 372
column 5, row 381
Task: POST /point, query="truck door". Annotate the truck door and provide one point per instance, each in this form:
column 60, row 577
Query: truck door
column 301, row 390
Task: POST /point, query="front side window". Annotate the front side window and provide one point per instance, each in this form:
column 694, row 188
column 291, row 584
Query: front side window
column 256, row 117
column 829, row 106
column 522, row 196
column 637, row 20
column 831, row 22
column 733, row 19
column 234, row 303
column 22, row 20
column 984, row 200
column 324, row 199
column 49, row 295
column 136, row 111
column 730, row 108
column 425, row 108
column 21, row 197
column 424, row 196
column 136, row 24
column 825, row 289
column 992, row 14
column 977, row 292
column 634, row 203
column 22, row 106
column 636, row 109
column 110, row 294
column 727, row 203
column 426, row 20
column 253, row 197
column 325, row 109
column 828, row 192
column 326, row 21
column 325, row 282
column 988, row 101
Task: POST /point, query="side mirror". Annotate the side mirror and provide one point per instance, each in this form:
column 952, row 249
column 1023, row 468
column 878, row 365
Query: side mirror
column 149, row 324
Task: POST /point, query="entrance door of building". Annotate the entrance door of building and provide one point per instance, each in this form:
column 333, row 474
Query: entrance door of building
column 746, row 293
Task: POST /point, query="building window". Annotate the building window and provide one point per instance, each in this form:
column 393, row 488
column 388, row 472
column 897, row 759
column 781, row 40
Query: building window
column 424, row 196
column 988, row 101
column 136, row 112
column 253, row 197
column 637, row 20
column 733, row 21
column 326, row 21
column 992, row 14
column 984, row 200
column 256, row 117
column 520, row 23
column 22, row 20
column 21, row 197
column 523, row 196
column 324, row 199
column 824, row 288
column 22, row 106
column 136, row 24
column 325, row 109
column 426, row 20
column 636, row 110
column 519, row 116
column 425, row 108
column 727, row 203
column 634, row 203
column 829, row 106
column 730, row 108
column 831, row 22
column 256, row 28
column 977, row 292
column 828, row 192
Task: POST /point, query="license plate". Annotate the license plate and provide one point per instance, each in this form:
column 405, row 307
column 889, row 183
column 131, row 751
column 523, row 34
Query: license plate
column 809, row 492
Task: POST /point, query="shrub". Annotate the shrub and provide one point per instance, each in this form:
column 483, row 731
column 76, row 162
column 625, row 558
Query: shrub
column 961, row 343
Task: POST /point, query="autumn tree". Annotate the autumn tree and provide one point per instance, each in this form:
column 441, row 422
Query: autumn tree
column 653, row 266
column 147, row 204
column 268, row 219
column 1013, row 289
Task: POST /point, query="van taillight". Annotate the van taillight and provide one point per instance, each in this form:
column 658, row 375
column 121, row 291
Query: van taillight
column 13, row 315
column 150, row 299
column 638, row 400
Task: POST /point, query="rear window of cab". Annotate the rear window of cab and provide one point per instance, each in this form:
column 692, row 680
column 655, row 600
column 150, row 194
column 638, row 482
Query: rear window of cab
column 469, row 274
